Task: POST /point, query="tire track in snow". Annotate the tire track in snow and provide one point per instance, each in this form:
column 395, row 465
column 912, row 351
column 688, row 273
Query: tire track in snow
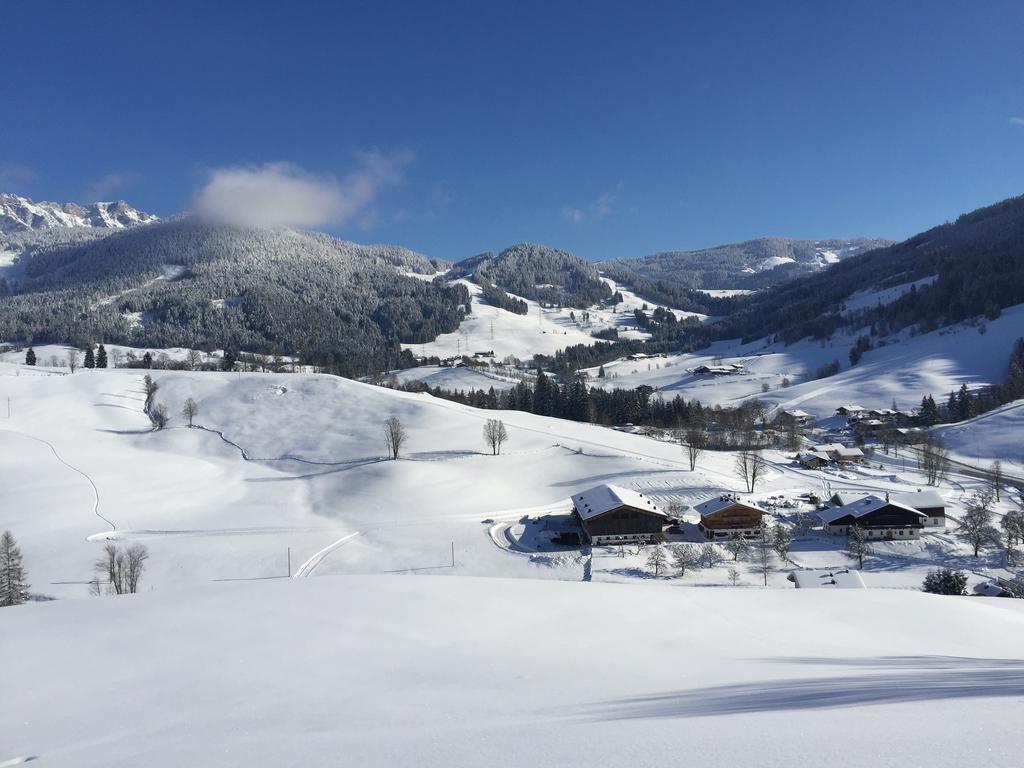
column 53, row 450
column 306, row 569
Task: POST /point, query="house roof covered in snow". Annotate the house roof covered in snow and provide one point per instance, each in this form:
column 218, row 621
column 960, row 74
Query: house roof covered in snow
column 929, row 499
column 605, row 498
column 861, row 507
column 724, row 501
column 845, row 578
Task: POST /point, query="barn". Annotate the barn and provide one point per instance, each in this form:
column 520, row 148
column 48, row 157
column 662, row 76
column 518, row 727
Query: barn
column 879, row 518
column 929, row 503
column 611, row 514
column 726, row 516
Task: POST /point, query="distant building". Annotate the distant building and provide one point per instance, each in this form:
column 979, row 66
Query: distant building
column 840, row 453
column 726, row 516
column 814, row 460
column 610, row 514
column 879, row 518
column 850, row 411
column 800, row 417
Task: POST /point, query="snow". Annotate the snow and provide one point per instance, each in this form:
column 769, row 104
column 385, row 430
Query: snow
column 906, row 369
column 542, row 330
column 604, row 498
column 460, row 377
column 880, row 297
column 993, row 435
column 385, row 671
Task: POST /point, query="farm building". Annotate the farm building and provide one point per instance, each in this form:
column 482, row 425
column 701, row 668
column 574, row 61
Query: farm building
column 610, row 514
column 726, row 516
column 814, row 460
column 840, row 453
column 879, row 518
column 850, row 411
column 800, row 417
column 929, row 503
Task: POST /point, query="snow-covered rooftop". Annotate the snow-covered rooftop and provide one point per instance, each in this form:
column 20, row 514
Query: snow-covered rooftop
column 927, row 499
column 724, row 501
column 605, row 498
column 831, row 579
column 860, row 507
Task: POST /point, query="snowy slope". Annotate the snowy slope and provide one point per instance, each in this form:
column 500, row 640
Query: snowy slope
column 402, row 671
column 998, row 434
column 543, row 330
column 906, row 369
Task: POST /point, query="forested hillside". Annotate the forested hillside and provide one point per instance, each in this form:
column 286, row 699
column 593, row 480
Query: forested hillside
column 751, row 264
column 184, row 283
column 538, row 272
column 970, row 268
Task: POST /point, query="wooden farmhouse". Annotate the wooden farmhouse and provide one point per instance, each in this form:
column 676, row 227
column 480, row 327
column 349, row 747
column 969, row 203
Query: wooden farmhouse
column 929, row 503
column 879, row 518
column 725, row 517
column 610, row 514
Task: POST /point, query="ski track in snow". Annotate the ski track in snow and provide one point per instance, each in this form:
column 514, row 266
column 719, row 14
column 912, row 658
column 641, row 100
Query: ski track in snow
column 95, row 490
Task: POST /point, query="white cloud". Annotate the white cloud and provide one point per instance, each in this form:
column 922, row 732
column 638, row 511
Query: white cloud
column 574, row 215
column 285, row 195
column 595, row 211
column 1017, row 120
column 107, row 186
column 14, row 175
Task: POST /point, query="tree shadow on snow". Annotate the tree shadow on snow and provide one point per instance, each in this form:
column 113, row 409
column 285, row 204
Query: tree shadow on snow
column 926, row 679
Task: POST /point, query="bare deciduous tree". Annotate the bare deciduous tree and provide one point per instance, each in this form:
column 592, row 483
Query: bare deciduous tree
column 857, row 544
column 657, row 559
column 710, row 555
column 120, row 569
column 684, row 556
column 765, row 547
column 494, row 435
column 976, row 523
column 72, row 359
column 190, row 410
column 694, row 441
column 194, row 359
column 995, row 474
column 750, row 467
column 934, row 459
column 782, row 540
column 734, row 576
column 395, row 435
column 150, row 387
column 737, row 546
column 158, row 417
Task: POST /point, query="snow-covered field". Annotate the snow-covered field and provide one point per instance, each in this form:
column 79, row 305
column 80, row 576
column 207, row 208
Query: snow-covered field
column 399, row 671
column 542, row 330
column 292, row 465
column 904, row 370
column 545, row 662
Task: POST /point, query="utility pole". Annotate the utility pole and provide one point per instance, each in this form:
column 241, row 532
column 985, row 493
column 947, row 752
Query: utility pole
column 453, row 554
column 289, row 562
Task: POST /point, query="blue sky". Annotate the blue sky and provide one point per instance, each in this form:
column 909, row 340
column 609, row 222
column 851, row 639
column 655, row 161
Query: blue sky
column 609, row 129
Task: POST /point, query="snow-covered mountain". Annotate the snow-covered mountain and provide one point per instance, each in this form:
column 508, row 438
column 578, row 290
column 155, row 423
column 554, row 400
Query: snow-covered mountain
column 21, row 214
column 751, row 264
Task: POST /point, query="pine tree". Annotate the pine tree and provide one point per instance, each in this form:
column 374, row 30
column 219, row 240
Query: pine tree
column 101, row 357
column 13, row 586
column 90, row 359
column 30, row 357
column 147, row 360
